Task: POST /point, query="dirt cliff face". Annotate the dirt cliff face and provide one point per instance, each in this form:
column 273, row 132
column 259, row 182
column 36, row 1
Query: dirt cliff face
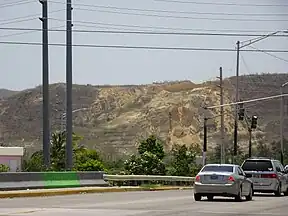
column 113, row 118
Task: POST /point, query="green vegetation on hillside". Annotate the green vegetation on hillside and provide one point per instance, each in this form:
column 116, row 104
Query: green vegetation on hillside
column 151, row 158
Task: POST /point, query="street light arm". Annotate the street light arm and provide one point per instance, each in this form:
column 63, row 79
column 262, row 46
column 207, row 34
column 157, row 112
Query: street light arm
column 255, row 40
column 283, row 85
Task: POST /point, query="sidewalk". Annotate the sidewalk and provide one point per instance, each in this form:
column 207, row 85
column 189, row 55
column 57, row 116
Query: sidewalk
column 82, row 190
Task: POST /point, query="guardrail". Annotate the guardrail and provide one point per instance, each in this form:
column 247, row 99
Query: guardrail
column 135, row 180
column 45, row 180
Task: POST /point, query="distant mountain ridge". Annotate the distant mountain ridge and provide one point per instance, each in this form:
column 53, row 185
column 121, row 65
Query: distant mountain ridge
column 4, row 93
column 117, row 116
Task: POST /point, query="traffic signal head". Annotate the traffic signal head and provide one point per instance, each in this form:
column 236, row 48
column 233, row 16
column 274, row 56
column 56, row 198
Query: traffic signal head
column 241, row 112
column 254, row 122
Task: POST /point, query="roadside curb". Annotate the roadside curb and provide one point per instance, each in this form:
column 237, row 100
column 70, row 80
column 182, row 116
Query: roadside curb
column 71, row 191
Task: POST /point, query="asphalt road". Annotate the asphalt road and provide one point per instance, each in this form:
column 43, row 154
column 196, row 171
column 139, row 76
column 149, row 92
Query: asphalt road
column 165, row 203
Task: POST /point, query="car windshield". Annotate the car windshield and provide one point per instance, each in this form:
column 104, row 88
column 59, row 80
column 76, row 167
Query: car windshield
column 257, row 165
column 216, row 168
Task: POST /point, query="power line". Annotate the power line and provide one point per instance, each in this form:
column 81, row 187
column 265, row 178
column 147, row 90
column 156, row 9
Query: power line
column 18, row 21
column 173, row 11
column 182, row 17
column 165, row 16
column 28, row 16
column 165, row 28
column 135, row 26
column 143, row 32
column 274, row 56
column 5, row 5
column 249, row 101
column 27, row 31
column 140, row 47
column 223, row 4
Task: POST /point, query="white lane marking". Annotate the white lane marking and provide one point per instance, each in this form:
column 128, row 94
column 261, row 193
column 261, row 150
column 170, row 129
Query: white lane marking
column 9, row 211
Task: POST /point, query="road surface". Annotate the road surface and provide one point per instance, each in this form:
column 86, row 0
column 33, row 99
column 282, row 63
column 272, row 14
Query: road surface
column 164, row 203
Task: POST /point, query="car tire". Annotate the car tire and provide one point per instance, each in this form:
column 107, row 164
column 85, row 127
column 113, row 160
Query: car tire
column 238, row 198
column 278, row 191
column 250, row 195
column 197, row 197
column 210, row 197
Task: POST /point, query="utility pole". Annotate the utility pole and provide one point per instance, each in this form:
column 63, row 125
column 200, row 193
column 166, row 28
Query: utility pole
column 237, row 100
column 170, row 121
column 204, row 142
column 222, row 117
column 282, row 122
column 250, row 141
column 69, row 128
column 45, row 84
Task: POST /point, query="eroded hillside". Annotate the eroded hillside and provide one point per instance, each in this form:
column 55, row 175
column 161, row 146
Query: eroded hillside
column 115, row 117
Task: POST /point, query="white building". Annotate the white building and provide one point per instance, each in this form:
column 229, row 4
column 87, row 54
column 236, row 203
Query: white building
column 12, row 157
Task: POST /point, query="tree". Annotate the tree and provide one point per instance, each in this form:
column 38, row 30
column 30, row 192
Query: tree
column 87, row 160
column 153, row 145
column 4, row 168
column 183, row 160
column 149, row 160
column 84, row 159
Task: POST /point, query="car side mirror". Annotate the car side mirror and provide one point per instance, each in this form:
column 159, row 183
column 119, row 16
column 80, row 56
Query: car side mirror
column 248, row 175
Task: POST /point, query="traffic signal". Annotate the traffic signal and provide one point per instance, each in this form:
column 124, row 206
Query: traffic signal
column 241, row 112
column 254, row 122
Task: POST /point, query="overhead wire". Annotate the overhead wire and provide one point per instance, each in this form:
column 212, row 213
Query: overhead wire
column 11, row 4
column 165, row 16
column 139, row 32
column 29, row 31
column 28, row 16
column 18, row 21
column 171, row 11
column 182, row 17
column 272, row 55
column 222, row 3
column 138, row 47
column 156, row 27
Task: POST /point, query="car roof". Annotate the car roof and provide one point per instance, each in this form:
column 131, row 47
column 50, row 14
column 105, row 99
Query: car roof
column 261, row 158
column 221, row 165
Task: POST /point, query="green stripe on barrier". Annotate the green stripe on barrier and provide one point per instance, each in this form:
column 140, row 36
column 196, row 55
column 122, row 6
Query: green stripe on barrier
column 61, row 180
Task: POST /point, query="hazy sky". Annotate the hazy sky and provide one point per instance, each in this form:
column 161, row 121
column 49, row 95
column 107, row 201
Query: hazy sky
column 21, row 65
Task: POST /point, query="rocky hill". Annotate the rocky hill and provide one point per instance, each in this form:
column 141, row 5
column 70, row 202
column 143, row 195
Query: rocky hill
column 4, row 93
column 113, row 118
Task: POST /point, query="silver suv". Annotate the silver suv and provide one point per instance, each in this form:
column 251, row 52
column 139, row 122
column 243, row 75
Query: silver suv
column 268, row 175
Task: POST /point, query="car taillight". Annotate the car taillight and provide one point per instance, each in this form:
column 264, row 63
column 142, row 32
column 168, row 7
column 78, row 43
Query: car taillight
column 272, row 175
column 231, row 179
column 197, row 179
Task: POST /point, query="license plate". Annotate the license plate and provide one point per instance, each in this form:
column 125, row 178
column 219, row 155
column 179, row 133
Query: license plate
column 214, row 177
column 256, row 176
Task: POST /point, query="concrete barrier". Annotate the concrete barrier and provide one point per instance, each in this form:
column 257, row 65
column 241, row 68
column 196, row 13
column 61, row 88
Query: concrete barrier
column 46, row 180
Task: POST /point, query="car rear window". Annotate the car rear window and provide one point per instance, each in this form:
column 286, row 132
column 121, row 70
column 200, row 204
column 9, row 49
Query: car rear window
column 217, row 169
column 257, row 165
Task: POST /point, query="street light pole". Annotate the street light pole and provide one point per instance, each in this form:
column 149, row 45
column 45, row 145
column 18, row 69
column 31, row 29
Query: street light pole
column 241, row 45
column 282, row 122
column 237, row 100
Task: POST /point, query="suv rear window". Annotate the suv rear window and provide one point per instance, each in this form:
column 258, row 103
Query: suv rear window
column 257, row 165
column 217, row 169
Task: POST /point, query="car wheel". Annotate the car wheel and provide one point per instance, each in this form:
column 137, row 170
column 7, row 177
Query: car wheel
column 210, row 197
column 278, row 192
column 250, row 196
column 197, row 197
column 238, row 198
